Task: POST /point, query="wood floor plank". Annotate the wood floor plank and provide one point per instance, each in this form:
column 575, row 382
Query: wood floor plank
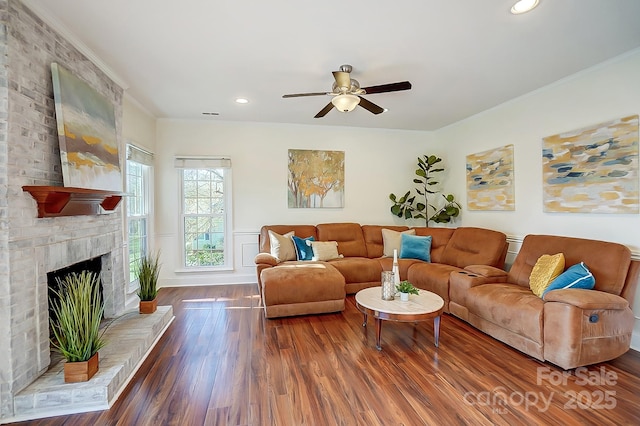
column 221, row 362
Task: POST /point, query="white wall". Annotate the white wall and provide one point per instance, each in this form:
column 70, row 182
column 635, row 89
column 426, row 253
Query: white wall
column 608, row 91
column 139, row 129
column 138, row 125
column 377, row 162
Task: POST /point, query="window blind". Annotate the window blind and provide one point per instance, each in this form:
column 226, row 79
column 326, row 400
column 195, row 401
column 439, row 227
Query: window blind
column 139, row 155
column 202, row 163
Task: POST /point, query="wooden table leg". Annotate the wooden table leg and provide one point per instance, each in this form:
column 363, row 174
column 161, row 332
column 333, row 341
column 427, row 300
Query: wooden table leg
column 378, row 332
column 436, row 329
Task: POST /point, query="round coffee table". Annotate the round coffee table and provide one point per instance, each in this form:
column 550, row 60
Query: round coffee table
column 420, row 307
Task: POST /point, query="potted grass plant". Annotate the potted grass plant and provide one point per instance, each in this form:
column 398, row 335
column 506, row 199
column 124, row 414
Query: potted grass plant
column 77, row 310
column 405, row 288
column 147, row 272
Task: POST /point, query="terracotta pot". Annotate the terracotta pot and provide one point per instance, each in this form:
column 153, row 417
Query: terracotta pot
column 81, row 371
column 148, row 306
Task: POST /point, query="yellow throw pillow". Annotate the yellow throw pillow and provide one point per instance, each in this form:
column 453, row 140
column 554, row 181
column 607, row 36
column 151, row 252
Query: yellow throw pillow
column 546, row 269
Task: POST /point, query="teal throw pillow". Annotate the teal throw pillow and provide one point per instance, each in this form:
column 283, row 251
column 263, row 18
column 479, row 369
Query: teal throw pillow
column 303, row 250
column 577, row 276
column 415, row 247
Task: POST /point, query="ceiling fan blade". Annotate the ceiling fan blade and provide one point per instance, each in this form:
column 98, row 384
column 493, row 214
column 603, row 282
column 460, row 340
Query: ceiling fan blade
column 391, row 87
column 370, row 106
column 297, row 95
column 342, row 79
column 324, row 111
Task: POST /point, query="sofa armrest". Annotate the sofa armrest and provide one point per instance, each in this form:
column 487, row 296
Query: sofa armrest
column 587, row 299
column 265, row 259
column 496, row 274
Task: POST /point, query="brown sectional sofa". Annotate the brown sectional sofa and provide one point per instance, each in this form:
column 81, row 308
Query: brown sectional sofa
column 570, row 327
column 363, row 262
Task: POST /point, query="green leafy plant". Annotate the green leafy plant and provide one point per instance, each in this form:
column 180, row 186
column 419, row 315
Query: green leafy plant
column 77, row 312
column 417, row 206
column 406, row 287
column 147, row 272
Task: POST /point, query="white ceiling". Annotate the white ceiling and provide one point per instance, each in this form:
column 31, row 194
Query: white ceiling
column 181, row 58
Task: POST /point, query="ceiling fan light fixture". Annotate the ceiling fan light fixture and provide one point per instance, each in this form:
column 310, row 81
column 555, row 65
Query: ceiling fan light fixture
column 345, row 102
column 523, row 6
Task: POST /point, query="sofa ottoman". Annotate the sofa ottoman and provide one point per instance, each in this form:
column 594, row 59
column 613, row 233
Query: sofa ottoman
column 300, row 288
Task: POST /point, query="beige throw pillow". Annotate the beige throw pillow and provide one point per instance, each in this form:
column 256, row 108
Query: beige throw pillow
column 324, row 250
column 392, row 239
column 282, row 246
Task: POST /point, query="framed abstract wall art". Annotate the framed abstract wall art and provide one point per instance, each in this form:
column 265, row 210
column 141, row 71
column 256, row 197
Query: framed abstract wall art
column 316, row 179
column 490, row 180
column 593, row 169
column 86, row 132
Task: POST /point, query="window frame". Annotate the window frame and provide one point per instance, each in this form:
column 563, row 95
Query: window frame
column 144, row 160
column 206, row 163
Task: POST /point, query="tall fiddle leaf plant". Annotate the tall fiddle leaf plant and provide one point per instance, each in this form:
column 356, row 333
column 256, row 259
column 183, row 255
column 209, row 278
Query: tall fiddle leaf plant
column 77, row 311
column 419, row 205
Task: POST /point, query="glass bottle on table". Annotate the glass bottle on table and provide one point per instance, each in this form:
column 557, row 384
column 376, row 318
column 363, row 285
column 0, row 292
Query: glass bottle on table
column 395, row 269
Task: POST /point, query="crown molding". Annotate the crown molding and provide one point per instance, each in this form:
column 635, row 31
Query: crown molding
column 58, row 26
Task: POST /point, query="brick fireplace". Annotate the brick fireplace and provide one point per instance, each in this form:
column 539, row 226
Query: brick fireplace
column 29, row 155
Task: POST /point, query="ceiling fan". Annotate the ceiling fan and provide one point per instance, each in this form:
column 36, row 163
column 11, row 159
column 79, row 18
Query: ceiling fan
column 347, row 92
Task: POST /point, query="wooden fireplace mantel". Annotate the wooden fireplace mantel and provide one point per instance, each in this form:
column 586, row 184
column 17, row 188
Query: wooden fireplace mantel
column 56, row 201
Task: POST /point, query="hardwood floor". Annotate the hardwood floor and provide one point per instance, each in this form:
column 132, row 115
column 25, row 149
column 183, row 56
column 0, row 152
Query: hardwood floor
column 222, row 363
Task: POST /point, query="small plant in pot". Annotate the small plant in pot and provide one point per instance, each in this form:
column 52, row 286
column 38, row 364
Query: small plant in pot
column 405, row 288
column 77, row 311
column 147, row 272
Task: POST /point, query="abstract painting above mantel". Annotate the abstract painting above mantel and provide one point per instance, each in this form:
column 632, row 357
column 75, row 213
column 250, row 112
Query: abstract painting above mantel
column 86, row 132
column 593, row 169
column 490, row 180
column 316, row 179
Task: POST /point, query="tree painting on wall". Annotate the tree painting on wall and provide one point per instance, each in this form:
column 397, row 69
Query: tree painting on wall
column 490, row 180
column 593, row 169
column 316, row 179
column 86, row 132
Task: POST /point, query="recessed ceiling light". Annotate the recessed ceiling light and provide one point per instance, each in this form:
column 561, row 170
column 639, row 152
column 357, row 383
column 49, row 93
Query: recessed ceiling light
column 523, row 6
column 242, row 101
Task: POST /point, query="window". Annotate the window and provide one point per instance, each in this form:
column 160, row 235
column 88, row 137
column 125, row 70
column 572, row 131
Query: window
column 206, row 198
column 138, row 206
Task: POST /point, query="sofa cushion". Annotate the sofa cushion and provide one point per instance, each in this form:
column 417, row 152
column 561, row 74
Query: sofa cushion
column 282, row 246
column 509, row 306
column 475, row 246
column 439, row 239
column 324, row 250
column 300, row 282
column 577, row 276
column 403, row 265
column 433, row 277
column 303, row 248
column 358, row 269
column 546, row 269
column 348, row 236
column 415, row 247
column 392, row 240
